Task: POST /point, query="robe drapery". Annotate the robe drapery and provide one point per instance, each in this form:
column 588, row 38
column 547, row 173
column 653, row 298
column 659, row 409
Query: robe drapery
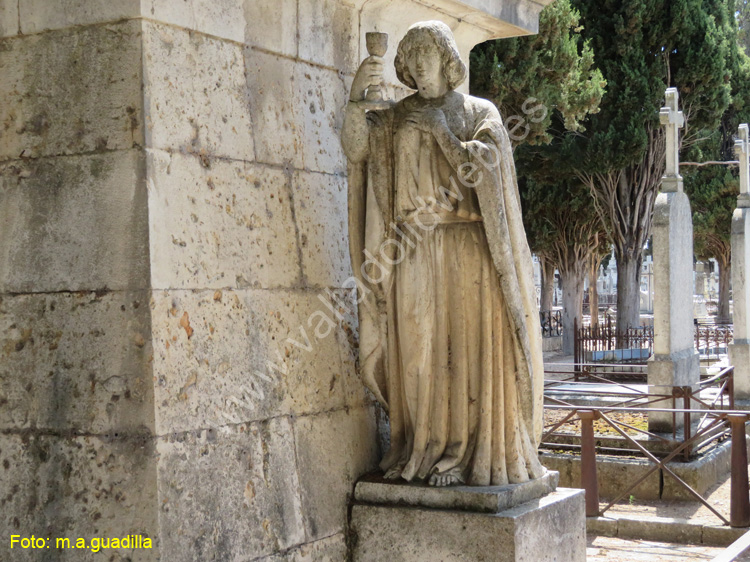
column 450, row 341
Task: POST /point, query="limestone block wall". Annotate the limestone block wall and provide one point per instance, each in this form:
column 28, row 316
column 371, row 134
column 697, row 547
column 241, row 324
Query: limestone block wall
column 177, row 348
column 77, row 455
column 263, row 424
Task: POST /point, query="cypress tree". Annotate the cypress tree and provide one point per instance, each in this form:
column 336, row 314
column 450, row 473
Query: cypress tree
column 643, row 47
column 545, row 85
column 713, row 189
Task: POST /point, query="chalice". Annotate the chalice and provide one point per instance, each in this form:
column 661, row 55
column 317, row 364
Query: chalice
column 377, row 45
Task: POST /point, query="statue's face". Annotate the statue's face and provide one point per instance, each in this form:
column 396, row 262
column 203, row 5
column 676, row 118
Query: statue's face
column 426, row 68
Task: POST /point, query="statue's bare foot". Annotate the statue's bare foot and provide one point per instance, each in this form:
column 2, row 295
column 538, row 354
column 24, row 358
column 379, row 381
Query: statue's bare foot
column 449, row 478
column 394, row 473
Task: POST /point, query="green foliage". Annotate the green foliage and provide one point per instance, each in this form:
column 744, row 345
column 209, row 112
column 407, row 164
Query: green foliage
column 713, row 189
column 548, row 83
column 531, row 76
column 743, row 22
column 562, row 225
column 642, row 48
column 611, row 141
column 560, row 219
column 713, row 196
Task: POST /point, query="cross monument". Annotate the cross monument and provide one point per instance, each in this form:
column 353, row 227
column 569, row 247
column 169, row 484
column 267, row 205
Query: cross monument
column 673, row 120
column 675, row 361
column 739, row 350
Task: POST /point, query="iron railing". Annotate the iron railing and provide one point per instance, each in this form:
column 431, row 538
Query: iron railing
column 551, row 321
column 715, row 423
column 604, row 342
column 713, row 340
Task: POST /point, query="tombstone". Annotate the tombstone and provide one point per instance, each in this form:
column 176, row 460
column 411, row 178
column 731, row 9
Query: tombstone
column 739, row 351
column 700, row 289
column 675, row 361
column 647, row 286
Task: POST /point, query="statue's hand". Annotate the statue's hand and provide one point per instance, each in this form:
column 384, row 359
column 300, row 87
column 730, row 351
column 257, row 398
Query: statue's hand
column 370, row 73
column 427, row 119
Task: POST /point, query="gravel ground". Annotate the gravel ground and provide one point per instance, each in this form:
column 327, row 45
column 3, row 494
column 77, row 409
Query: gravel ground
column 695, row 512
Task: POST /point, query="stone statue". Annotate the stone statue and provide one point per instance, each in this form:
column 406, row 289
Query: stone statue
column 450, row 341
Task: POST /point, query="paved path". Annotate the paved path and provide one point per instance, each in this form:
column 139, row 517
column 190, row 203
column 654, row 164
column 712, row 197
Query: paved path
column 600, row 549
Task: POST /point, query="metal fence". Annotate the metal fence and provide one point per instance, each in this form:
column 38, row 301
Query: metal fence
column 551, row 321
column 713, row 340
column 604, row 342
column 716, row 423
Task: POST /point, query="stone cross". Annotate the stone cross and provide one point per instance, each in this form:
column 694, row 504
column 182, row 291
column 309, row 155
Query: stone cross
column 741, row 145
column 675, row 361
column 674, row 120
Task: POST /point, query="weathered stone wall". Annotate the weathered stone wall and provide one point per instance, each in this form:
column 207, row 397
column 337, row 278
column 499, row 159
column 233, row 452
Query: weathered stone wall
column 247, row 194
column 176, row 356
column 76, row 393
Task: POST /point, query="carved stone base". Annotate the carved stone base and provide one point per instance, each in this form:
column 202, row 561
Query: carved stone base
column 664, row 371
column 739, row 351
column 739, row 356
column 411, row 523
column 675, row 362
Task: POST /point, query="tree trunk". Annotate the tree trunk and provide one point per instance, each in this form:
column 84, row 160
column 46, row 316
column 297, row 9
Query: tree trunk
column 594, row 290
column 625, row 203
column 572, row 287
column 548, row 283
column 628, row 290
column 725, row 275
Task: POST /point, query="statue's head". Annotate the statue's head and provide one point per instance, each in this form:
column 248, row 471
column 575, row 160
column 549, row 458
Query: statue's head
column 425, row 44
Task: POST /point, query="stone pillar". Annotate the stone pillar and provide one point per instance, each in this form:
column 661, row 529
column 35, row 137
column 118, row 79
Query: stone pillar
column 700, row 279
column 739, row 350
column 675, row 361
column 76, row 392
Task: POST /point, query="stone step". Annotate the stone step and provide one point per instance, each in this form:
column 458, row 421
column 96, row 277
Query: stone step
column 664, row 529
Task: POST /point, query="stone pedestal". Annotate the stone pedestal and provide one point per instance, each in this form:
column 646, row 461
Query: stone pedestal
column 739, row 351
column 413, row 523
column 675, row 361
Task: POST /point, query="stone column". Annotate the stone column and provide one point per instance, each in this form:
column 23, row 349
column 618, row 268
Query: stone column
column 739, row 351
column 675, row 361
column 76, row 392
